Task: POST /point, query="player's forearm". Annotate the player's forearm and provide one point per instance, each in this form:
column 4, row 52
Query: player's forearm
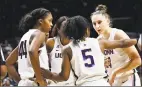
column 131, row 65
column 129, row 42
column 12, row 72
column 36, row 66
column 58, row 78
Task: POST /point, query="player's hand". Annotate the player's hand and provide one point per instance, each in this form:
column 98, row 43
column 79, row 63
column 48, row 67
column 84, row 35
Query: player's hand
column 111, row 80
column 41, row 83
column 46, row 73
column 107, row 62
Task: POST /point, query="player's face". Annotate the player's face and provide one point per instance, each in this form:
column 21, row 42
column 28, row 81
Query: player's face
column 61, row 33
column 100, row 23
column 46, row 23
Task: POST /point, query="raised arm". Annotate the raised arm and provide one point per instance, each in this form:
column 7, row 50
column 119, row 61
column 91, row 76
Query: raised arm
column 118, row 43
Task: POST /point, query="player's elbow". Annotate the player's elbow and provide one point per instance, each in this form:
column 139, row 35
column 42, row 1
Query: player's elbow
column 137, row 61
column 31, row 52
column 64, row 77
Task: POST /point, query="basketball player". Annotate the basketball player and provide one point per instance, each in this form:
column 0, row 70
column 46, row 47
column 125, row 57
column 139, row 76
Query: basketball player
column 54, row 48
column 31, row 51
column 84, row 55
column 3, row 68
column 140, row 43
column 123, row 61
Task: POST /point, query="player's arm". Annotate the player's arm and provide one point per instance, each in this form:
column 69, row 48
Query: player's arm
column 39, row 38
column 10, row 61
column 118, row 43
column 64, row 74
column 135, row 59
column 50, row 44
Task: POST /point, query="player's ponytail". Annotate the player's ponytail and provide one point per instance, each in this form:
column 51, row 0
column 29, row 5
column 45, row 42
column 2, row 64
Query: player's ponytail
column 31, row 19
column 102, row 9
column 26, row 22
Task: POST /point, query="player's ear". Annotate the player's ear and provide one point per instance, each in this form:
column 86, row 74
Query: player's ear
column 88, row 32
column 40, row 21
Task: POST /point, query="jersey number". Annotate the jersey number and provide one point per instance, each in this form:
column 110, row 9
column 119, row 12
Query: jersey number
column 89, row 57
column 23, row 49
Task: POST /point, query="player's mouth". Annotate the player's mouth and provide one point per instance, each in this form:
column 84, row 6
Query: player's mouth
column 99, row 31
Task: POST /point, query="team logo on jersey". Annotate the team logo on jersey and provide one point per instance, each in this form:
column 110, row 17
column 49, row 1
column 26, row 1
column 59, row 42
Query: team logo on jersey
column 108, row 52
column 58, row 46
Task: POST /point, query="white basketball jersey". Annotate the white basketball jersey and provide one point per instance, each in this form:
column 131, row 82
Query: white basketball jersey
column 56, row 62
column 24, row 64
column 117, row 57
column 87, row 60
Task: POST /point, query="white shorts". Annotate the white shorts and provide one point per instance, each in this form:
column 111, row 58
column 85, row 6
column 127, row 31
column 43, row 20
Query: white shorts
column 100, row 82
column 26, row 82
column 132, row 80
column 60, row 84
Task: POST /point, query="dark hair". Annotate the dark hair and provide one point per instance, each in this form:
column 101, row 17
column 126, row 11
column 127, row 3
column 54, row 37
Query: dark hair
column 58, row 25
column 76, row 27
column 102, row 9
column 30, row 19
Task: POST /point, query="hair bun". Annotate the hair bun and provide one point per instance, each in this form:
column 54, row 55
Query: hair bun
column 102, row 8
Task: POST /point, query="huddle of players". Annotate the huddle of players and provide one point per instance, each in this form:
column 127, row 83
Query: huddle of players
column 71, row 57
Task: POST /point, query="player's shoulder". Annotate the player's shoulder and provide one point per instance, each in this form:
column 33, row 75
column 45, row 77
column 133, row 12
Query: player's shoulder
column 91, row 39
column 50, row 44
column 68, row 50
column 50, row 40
column 120, row 34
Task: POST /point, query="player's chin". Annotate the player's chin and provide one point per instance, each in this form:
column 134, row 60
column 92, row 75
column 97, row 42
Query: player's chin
column 47, row 30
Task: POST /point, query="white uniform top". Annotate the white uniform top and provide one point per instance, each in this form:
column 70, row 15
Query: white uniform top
column 1, row 55
column 140, row 42
column 56, row 62
column 25, row 68
column 117, row 56
column 87, row 60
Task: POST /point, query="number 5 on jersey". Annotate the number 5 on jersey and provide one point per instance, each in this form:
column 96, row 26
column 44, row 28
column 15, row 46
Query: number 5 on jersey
column 89, row 57
column 22, row 49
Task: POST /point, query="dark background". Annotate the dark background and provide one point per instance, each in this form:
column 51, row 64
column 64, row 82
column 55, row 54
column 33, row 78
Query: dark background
column 126, row 14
